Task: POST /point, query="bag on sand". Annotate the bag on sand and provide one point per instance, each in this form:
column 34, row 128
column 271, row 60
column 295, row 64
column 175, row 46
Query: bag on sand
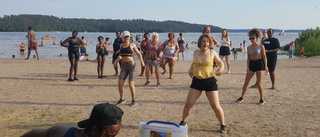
column 156, row 128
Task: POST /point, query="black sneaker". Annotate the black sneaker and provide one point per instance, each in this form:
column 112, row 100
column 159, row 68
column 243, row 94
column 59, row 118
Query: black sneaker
column 261, row 102
column 121, row 101
column 147, row 83
column 182, row 123
column 70, row 79
column 158, row 84
column 75, row 78
column 133, row 103
column 223, row 129
column 239, row 100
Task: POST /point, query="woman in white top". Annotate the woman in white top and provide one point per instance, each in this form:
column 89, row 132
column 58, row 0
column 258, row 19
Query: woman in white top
column 224, row 47
column 170, row 49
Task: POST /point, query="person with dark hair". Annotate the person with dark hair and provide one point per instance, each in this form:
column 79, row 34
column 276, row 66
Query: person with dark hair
column 22, row 48
column 127, row 66
column 170, row 49
column 102, row 52
column 73, row 53
column 104, row 121
column 116, row 50
column 256, row 64
column 83, row 48
column 144, row 48
column 272, row 46
column 207, row 30
column 32, row 42
column 224, row 47
column 203, row 78
column 181, row 41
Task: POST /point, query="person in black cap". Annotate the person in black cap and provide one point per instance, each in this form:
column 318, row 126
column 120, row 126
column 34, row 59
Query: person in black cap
column 104, row 121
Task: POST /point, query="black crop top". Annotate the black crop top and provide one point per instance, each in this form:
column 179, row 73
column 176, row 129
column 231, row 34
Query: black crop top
column 126, row 51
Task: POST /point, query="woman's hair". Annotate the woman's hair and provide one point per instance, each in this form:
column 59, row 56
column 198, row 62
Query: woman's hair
column 147, row 33
column 205, row 36
column 100, row 37
column 155, row 34
column 107, row 38
column 180, row 34
column 222, row 33
column 254, row 32
column 75, row 32
column 172, row 34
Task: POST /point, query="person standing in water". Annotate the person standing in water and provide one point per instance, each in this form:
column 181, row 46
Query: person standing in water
column 32, row 42
column 181, row 41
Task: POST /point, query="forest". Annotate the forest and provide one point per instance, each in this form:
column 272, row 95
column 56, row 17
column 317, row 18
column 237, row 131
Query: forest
column 43, row 23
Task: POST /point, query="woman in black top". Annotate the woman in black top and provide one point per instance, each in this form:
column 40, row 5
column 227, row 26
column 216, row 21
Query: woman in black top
column 73, row 53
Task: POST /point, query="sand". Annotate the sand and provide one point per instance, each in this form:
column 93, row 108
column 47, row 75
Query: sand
column 36, row 94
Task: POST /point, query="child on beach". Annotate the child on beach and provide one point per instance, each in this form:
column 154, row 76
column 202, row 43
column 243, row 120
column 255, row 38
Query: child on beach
column 302, row 51
column 240, row 47
column 234, row 52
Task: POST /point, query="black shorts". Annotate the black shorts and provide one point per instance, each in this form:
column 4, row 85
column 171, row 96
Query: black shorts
column 209, row 84
column 224, row 51
column 114, row 56
column 73, row 54
column 272, row 61
column 256, row 65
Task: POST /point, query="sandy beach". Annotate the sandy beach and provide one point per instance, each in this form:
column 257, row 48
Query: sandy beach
column 36, row 94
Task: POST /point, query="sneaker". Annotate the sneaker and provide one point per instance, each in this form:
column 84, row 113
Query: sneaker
column 223, row 129
column 133, row 103
column 158, row 84
column 147, row 83
column 121, row 101
column 239, row 100
column 182, row 123
column 261, row 102
column 70, row 79
column 75, row 78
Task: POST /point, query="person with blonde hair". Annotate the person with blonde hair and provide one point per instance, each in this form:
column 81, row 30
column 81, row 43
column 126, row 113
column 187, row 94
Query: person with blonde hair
column 127, row 66
column 153, row 57
column 256, row 64
column 203, row 78
column 170, row 49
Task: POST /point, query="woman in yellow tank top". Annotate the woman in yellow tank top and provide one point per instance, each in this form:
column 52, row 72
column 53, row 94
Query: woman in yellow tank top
column 203, row 78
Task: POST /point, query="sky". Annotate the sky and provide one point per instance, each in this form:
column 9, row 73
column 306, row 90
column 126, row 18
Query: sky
column 229, row 14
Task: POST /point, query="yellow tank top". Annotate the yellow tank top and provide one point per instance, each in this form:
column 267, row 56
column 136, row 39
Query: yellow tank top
column 203, row 70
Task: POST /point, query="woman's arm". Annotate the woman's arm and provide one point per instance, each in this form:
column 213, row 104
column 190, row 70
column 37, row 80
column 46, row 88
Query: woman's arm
column 98, row 48
column 64, row 42
column 215, row 41
column 219, row 62
column 135, row 49
column 177, row 48
column 248, row 59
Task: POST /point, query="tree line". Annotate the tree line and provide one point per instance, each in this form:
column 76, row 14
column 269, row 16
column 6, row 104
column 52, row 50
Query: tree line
column 19, row 23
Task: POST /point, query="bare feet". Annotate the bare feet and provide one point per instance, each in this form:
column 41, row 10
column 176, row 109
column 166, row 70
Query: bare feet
column 170, row 78
column 26, row 58
column 164, row 72
column 141, row 75
column 229, row 72
column 116, row 75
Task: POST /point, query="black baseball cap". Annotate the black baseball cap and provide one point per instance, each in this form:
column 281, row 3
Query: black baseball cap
column 103, row 114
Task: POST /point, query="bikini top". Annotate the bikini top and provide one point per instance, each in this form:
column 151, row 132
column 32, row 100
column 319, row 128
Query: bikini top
column 203, row 69
column 256, row 52
column 126, row 51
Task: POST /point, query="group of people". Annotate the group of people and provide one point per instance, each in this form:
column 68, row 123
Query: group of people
column 261, row 57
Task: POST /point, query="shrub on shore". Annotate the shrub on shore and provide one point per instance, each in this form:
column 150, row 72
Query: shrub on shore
column 310, row 41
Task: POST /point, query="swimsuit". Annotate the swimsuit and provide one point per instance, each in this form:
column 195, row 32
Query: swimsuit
column 169, row 52
column 103, row 52
column 180, row 43
column 127, row 68
column 73, row 49
column 33, row 45
column 256, row 52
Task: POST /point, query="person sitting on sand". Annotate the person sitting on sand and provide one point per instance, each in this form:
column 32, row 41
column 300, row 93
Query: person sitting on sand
column 256, row 64
column 170, row 49
column 203, row 78
column 22, row 48
column 104, row 121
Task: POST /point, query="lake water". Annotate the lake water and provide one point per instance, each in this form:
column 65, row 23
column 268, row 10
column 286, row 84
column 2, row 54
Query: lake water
column 10, row 42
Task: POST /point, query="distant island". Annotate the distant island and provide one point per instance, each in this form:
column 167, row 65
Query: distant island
column 18, row 23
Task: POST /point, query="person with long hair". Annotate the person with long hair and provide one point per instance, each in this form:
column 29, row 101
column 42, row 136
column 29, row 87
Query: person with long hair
column 203, row 78
column 127, row 66
column 73, row 53
column 256, row 64
column 153, row 57
column 224, row 47
column 102, row 52
column 170, row 49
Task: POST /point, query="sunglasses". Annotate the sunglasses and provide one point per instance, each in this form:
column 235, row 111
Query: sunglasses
column 252, row 38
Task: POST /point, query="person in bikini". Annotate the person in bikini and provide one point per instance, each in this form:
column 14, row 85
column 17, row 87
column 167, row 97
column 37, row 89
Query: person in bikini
column 170, row 49
column 256, row 64
column 32, row 42
column 127, row 66
column 22, row 48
